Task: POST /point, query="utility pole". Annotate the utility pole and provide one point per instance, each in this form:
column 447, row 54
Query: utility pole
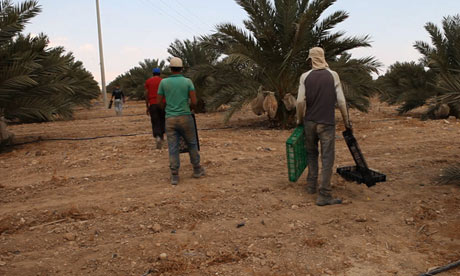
column 101, row 55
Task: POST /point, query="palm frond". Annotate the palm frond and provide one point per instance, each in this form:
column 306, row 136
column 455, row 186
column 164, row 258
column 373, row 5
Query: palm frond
column 132, row 82
column 274, row 48
column 450, row 175
column 38, row 83
column 14, row 18
column 450, row 84
column 407, row 84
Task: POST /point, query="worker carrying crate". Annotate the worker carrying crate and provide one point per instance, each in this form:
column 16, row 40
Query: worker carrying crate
column 320, row 90
column 297, row 159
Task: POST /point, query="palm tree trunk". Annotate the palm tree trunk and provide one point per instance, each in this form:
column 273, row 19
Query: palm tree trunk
column 284, row 118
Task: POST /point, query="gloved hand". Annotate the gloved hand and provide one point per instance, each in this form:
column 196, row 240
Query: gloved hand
column 348, row 125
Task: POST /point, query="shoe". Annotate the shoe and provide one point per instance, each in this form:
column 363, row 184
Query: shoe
column 174, row 179
column 327, row 200
column 198, row 172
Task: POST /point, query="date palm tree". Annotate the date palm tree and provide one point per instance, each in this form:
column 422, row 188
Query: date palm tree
column 14, row 72
column 443, row 55
column 37, row 83
column 273, row 49
column 436, row 79
column 407, row 84
column 56, row 82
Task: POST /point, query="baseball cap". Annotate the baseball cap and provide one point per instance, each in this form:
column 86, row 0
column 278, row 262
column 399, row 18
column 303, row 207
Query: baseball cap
column 156, row 70
column 176, row 62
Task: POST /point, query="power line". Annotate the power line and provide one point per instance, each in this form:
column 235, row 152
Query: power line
column 176, row 20
column 188, row 24
column 186, row 17
column 144, row 3
column 195, row 16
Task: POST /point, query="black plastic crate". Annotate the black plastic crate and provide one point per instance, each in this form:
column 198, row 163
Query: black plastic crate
column 183, row 148
column 354, row 148
column 366, row 176
column 361, row 172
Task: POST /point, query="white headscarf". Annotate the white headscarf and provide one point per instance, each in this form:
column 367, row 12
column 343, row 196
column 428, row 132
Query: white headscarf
column 317, row 58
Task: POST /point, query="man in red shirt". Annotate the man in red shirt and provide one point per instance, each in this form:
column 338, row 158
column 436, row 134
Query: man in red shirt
column 157, row 114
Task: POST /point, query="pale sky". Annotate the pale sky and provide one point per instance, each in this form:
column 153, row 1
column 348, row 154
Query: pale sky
column 134, row 30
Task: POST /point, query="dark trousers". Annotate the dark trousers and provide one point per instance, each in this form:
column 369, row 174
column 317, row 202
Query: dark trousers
column 325, row 135
column 157, row 117
column 185, row 127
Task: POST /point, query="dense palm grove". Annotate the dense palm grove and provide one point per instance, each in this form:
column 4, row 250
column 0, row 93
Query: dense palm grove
column 435, row 80
column 37, row 82
column 229, row 66
column 133, row 81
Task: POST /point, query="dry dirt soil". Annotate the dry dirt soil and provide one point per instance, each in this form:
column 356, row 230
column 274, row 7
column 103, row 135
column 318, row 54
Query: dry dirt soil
column 105, row 206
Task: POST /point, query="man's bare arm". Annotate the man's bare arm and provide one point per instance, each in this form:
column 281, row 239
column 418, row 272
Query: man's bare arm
column 160, row 101
column 192, row 95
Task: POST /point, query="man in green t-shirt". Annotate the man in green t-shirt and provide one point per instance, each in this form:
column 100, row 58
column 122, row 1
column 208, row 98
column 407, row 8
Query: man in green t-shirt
column 177, row 90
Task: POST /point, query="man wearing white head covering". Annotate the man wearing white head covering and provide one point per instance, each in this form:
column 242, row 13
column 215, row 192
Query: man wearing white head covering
column 319, row 90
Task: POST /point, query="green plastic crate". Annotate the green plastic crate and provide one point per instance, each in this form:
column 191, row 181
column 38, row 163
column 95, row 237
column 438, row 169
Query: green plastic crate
column 296, row 154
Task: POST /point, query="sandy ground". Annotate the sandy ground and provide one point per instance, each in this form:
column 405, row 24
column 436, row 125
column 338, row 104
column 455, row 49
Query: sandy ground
column 105, row 206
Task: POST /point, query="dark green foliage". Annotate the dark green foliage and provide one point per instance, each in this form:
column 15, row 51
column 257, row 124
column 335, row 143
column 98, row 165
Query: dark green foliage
column 435, row 80
column 356, row 79
column 444, row 59
column 191, row 53
column 132, row 82
column 37, row 83
column 449, row 84
column 444, row 54
column 408, row 85
column 49, row 85
column 224, row 84
column 14, row 18
column 194, row 54
column 274, row 49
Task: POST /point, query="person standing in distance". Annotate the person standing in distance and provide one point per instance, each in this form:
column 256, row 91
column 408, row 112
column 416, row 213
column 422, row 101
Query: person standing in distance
column 319, row 90
column 177, row 90
column 157, row 114
column 117, row 93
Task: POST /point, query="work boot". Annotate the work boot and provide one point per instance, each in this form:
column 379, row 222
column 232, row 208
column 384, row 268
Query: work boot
column 327, row 200
column 198, row 172
column 174, row 179
column 159, row 142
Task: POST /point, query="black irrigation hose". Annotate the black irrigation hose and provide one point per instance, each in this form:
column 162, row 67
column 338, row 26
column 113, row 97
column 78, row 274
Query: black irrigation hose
column 97, row 137
column 76, row 139
column 442, row 269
